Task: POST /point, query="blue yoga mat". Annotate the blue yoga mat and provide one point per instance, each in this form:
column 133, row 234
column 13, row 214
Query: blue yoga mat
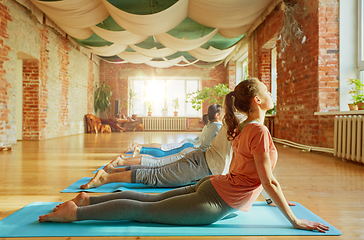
column 261, row 220
column 113, row 187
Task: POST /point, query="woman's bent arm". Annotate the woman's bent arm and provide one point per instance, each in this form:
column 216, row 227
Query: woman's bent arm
column 272, row 187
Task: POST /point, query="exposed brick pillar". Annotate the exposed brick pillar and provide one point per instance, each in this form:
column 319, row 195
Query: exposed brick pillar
column 328, row 62
column 63, row 61
column 232, row 75
column 90, row 88
column 43, row 81
column 4, row 84
column 30, row 100
column 264, row 71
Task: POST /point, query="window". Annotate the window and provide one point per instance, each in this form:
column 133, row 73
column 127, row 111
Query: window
column 349, row 48
column 160, row 92
column 361, row 39
column 242, row 71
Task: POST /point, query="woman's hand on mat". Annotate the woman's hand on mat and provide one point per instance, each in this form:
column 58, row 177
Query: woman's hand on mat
column 308, row 225
column 289, row 204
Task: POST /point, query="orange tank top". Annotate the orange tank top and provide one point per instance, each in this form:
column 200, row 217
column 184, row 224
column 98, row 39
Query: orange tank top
column 241, row 186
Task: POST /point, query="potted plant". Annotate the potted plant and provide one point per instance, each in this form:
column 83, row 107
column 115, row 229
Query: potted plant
column 175, row 105
column 132, row 96
column 102, row 98
column 149, row 106
column 357, row 94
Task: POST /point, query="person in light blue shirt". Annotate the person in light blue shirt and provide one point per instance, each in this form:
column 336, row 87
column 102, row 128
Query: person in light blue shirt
column 203, row 142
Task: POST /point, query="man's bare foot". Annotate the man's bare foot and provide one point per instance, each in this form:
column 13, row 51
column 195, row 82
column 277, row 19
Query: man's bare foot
column 82, row 199
column 98, row 180
column 66, row 213
column 136, row 151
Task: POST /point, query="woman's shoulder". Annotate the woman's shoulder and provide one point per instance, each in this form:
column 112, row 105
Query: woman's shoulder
column 255, row 128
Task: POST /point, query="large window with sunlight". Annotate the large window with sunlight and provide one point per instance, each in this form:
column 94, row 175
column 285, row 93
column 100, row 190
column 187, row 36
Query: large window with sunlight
column 161, row 93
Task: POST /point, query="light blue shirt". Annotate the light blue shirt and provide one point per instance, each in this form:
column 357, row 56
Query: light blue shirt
column 208, row 133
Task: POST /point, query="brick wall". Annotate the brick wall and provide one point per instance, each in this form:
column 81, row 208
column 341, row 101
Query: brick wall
column 90, row 88
column 58, row 77
column 4, row 83
column 329, row 56
column 264, row 66
column 43, row 81
column 307, row 79
column 63, row 60
column 116, row 76
column 31, row 99
column 232, row 75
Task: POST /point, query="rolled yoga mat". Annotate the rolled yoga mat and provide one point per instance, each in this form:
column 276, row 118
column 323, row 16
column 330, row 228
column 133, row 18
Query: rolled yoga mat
column 261, row 220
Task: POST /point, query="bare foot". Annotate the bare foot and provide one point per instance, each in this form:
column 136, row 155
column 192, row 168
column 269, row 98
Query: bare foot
column 136, row 151
column 98, row 180
column 82, row 199
column 119, row 161
column 109, row 168
column 66, row 213
column 132, row 147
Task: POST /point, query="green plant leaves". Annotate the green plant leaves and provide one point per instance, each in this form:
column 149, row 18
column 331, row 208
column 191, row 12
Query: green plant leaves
column 102, row 98
column 214, row 95
column 357, row 91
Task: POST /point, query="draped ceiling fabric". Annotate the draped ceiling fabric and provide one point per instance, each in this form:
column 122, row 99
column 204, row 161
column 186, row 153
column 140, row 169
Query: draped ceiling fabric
column 161, row 33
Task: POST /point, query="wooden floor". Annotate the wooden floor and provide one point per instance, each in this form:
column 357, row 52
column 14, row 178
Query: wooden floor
column 39, row 170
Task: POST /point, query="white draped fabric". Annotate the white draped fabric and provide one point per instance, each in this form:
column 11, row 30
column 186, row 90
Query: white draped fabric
column 80, row 33
column 120, row 37
column 154, row 52
column 183, row 44
column 212, row 54
column 167, row 63
column 134, row 57
column 229, row 18
column 109, row 51
column 153, row 24
column 227, row 13
column 74, row 14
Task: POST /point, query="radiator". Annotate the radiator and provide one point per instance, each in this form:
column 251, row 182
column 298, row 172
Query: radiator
column 165, row 123
column 349, row 137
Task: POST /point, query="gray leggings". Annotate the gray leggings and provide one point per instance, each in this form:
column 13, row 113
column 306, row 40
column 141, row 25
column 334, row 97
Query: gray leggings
column 191, row 168
column 199, row 204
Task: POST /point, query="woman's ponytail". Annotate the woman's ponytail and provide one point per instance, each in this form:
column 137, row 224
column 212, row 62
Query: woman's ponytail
column 230, row 119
